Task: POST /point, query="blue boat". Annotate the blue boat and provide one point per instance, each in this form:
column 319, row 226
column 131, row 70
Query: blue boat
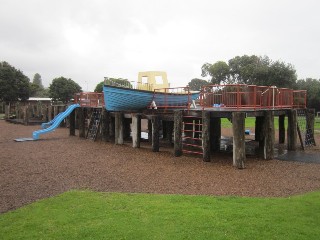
column 147, row 94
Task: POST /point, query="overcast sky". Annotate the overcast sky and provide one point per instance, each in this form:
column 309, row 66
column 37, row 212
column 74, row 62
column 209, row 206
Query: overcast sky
column 89, row 40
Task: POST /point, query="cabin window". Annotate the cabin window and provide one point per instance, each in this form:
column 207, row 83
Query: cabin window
column 159, row 80
column 144, row 79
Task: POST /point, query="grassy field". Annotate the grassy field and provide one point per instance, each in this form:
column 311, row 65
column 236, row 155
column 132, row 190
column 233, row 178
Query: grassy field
column 90, row 215
column 250, row 123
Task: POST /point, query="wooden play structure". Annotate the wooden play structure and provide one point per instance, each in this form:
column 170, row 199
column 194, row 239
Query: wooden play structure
column 196, row 128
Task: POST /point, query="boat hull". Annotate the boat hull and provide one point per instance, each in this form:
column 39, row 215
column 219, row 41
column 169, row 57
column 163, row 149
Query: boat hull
column 128, row 99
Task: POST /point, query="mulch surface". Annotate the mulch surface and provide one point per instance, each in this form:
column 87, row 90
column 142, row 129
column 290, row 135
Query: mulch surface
column 58, row 162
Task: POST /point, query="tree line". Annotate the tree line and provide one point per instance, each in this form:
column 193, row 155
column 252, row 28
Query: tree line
column 15, row 86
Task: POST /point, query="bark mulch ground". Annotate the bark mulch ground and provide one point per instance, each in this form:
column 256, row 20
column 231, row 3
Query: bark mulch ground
column 58, row 162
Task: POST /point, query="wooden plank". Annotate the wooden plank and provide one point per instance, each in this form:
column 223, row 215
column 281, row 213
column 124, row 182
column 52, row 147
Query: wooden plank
column 300, row 137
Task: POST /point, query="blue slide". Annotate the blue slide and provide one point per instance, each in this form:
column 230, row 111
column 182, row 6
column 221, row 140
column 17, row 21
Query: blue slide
column 45, row 125
column 55, row 122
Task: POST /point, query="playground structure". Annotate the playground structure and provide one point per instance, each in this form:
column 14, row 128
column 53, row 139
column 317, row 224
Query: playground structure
column 197, row 130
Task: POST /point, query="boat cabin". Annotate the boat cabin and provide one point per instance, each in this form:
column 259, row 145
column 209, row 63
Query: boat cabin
column 152, row 80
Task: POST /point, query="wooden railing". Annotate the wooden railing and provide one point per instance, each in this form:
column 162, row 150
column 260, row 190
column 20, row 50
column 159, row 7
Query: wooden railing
column 241, row 96
column 89, row 99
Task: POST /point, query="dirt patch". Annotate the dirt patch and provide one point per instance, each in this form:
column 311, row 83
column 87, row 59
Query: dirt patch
column 58, row 162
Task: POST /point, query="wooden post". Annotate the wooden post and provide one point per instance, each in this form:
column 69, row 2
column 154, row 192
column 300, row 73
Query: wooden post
column 105, row 124
column 170, row 125
column 206, row 135
column 26, row 115
column 55, row 111
column 112, row 128
column 215, row 134
column 239, row 150
column 149, row 131
column 82, row 122
column 177, row 133
column 72, row 127
column 136, row 130
column 119, row 128
column 7, row 111
column 268, row 149
column 62, row 109
column 49, row 113
column 282, row 131
column 155, row 133
column 292, row 130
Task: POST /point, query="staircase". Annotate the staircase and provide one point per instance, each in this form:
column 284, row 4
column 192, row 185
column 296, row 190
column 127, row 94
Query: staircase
column 94, row 124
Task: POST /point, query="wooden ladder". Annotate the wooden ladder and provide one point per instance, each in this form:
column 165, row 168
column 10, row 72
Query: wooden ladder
column 192, row 135
column 94, row 124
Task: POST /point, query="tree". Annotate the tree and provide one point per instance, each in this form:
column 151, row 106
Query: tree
column 120, row 82
column 37, row 80
column 251, row 70
column 313, row 91
column 14, row 85
column 63, row 89
column 244, row 68
column 196, row 84
column 281, row 74
column 218, row 71
column 99, row 87
column 36, row 87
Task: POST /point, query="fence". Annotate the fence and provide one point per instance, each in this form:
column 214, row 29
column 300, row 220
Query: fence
column 241, row 96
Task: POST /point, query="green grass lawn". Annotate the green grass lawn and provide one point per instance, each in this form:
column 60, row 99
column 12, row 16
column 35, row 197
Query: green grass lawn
column 250, row 123
column 90, row 215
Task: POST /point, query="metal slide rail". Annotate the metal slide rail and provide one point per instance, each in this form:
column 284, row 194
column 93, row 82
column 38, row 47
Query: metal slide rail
column 242, row 96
